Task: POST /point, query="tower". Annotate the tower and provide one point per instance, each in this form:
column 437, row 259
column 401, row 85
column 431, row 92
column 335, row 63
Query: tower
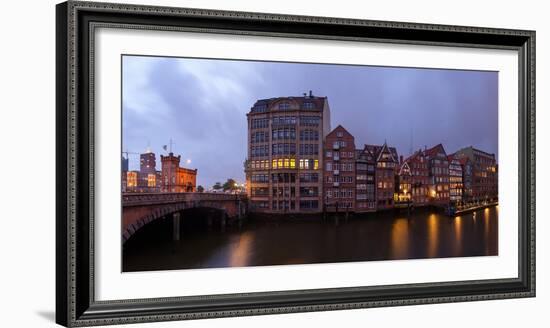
column 147, row 162
column 170, row 165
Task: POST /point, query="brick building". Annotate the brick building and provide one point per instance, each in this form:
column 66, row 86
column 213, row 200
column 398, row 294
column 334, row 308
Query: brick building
column 456, row 186
column 484, row 173
column 467, row 179
column 404, row 181
column 339, row 170
column 365, row 180
column 420, row 177
column 285, row 154
column 175, row 178
column 386, row 168
column 438, row 166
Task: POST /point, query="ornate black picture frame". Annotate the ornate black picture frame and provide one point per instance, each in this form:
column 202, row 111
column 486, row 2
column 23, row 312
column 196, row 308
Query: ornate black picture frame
column 75, row 301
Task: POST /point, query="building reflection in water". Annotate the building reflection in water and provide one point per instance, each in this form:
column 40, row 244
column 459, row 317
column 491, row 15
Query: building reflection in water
column 433, row 238
column 400, row 239
column 458, row 235
column 486, row 220
column 256, row 243
column 240, row 254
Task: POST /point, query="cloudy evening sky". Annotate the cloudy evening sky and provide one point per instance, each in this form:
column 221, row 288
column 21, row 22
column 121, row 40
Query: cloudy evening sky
column 202, row 104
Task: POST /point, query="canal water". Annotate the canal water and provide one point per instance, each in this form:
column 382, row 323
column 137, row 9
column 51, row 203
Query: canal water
column 423, row 234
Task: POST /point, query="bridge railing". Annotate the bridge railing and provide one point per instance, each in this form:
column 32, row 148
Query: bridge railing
column 137, row 199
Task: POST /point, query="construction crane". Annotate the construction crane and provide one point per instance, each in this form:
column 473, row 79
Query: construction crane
column 129, row 152
column 127, row 157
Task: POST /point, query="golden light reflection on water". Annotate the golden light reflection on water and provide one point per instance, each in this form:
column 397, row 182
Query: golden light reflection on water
column 240, row 255
column 458, row 234
column 400, row 239
column 433, row 238
column 486, row 224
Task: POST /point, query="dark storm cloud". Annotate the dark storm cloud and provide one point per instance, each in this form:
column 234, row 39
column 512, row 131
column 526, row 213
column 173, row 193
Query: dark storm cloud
column 202, row 106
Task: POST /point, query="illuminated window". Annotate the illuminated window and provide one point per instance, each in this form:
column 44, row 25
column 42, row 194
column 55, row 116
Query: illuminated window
column 286, row 163
column 316, row 164
column 274, row 164
column 280, row 163
column 151, row 180
column 131, row 179
column 292, row 163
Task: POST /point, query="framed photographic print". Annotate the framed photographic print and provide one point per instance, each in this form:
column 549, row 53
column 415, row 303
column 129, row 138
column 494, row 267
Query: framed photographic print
column 214, row 163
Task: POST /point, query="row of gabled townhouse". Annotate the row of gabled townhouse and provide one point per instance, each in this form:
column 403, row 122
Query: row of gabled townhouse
column 384, row 180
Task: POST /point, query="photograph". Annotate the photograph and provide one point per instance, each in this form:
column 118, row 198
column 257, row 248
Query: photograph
column 242, row 163
column 248, row 161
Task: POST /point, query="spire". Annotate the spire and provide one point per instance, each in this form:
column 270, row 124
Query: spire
column 411, row 142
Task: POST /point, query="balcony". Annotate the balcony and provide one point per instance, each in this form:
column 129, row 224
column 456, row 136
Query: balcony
column 336, row 172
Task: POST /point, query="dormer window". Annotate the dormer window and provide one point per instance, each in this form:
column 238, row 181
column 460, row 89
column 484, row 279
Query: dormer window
column 284, row 106
column 260, row 108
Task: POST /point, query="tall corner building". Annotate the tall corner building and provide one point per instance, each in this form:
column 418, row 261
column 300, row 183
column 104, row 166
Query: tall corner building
column 285, row 154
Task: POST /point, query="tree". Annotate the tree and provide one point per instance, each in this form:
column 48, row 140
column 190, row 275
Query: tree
column 200, row 189
column 217, row 186
column 230, row 184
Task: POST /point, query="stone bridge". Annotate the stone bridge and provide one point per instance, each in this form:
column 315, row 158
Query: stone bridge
column 138, row 209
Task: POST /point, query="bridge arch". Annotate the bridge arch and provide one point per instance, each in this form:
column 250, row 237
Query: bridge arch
column 141, row 209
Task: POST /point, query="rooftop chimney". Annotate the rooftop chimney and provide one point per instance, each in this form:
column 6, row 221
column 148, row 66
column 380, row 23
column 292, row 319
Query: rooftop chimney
column 310, row 94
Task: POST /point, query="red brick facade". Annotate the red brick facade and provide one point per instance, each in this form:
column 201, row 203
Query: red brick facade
column 484, row 174
column 365, row 180
column 438, row 166
column 386, row 169
column 175, row 178
column 339, row 171
column 420, row 178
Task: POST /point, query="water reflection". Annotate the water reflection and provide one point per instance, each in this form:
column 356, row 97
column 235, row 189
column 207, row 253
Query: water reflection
column 433, row 238
column 400, row 239
column 458, row 235
column 239, row 255
column 364, row 238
